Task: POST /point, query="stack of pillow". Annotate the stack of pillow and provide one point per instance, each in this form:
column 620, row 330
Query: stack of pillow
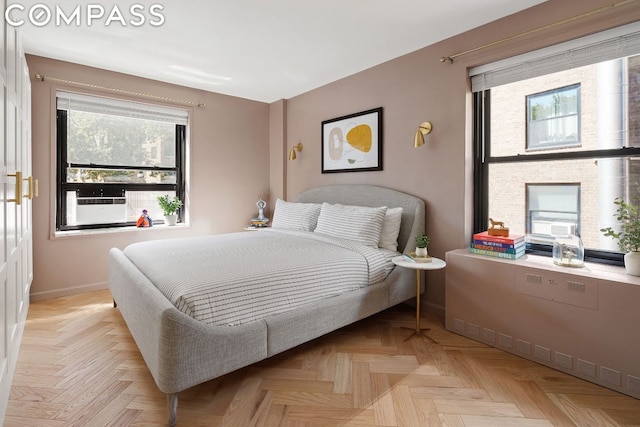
column 375, row 227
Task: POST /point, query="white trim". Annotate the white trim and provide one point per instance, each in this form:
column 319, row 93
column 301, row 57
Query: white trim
column 65, row 292
column 129, row 229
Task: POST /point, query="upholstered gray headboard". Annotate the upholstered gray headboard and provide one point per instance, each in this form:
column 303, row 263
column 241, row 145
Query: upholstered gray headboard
column 413, row 208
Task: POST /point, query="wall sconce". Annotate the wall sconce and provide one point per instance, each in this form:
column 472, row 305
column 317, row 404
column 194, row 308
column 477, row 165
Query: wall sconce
column 292, row 153
column 424, row 129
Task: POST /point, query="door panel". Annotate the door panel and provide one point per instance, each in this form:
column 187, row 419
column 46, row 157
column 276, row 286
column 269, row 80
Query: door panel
column 5, row 378
column 16, row 249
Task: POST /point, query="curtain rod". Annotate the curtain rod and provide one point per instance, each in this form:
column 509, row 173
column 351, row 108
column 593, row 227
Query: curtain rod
column 535, row 30
column 121, row 91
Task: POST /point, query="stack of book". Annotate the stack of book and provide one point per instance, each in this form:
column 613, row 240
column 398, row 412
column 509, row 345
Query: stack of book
column 411, row 256
column 511, row 247
column 259, row 222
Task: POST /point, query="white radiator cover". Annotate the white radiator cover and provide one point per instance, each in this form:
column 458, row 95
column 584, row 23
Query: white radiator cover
column 580, row 321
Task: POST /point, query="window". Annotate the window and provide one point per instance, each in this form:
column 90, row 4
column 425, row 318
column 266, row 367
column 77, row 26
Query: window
column 552, row 210
column 553, row 118
column 557, row 139
column 114, row 158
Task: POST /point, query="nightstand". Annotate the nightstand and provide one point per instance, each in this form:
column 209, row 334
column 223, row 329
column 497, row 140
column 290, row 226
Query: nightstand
column 435, row 264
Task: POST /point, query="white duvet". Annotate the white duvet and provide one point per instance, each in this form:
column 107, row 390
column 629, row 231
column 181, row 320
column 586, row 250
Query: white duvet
column 238, row 278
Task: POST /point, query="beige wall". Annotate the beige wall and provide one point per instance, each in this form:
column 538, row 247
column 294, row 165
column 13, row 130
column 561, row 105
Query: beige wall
column 418, row 87
column 239, row 147
column 228, row 172
column 278, row 153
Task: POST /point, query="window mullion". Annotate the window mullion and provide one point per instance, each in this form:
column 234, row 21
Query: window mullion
column 481, row 168
column 61, row 173
column 568, row 155
column 119, row 167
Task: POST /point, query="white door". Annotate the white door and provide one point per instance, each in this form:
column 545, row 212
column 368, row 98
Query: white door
column 6, row 311
column 16, row 266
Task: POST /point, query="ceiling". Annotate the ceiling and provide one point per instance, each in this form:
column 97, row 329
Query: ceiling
column 263, row 50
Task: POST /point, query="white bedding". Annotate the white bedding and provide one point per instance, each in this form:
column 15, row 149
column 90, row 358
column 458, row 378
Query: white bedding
column 238, row 278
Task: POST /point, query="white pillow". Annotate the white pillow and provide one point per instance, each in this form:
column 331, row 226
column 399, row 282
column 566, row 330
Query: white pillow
column 358, row 223
column 390, row 229
column 295, row 216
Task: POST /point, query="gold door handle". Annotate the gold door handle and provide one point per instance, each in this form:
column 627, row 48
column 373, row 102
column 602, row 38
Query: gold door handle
column 18, row 197
column 32, row 188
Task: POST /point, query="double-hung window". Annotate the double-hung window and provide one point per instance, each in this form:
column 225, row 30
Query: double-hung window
column 553, row 118
column 557, row 140
column 114, row 158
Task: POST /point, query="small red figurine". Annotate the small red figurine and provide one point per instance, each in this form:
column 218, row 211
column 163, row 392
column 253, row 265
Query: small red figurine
column 144, row 220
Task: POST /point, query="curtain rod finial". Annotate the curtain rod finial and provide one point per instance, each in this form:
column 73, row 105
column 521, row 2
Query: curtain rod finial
column 39, row 77
column 446, row 58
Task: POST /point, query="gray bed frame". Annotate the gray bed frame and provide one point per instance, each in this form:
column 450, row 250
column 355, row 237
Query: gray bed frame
column 181, row 352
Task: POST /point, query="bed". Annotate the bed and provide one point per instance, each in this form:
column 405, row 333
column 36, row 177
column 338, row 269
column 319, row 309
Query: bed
column 187, row 338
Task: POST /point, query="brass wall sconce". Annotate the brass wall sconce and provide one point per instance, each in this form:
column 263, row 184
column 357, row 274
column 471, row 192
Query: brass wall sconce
column 292, row 153
column 424, row 129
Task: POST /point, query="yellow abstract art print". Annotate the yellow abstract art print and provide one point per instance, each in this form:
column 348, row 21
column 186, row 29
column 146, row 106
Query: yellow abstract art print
column 353, row 143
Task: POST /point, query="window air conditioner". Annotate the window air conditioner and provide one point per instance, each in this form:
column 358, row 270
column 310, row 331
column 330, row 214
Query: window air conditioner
column 562, row 229
column 100, row 208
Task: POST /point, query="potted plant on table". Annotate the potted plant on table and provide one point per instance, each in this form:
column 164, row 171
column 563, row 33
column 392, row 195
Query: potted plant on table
column 422, row 241
column 169, row 208
column 628, row 236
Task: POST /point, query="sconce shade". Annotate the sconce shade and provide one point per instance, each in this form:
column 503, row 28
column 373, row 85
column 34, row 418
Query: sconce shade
column 418, row 140
column 424, row 129
column 292, row 153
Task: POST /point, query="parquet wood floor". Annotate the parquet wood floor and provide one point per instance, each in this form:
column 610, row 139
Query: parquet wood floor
column 78, row 366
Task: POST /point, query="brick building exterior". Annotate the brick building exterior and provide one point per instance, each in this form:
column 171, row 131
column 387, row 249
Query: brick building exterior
column 608, row 116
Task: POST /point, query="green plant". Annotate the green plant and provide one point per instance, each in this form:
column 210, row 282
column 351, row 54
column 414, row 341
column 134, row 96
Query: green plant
column 629, row 234
column 422, row 241
column 169, row 205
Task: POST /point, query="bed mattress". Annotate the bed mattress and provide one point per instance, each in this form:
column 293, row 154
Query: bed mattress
column 237, row 278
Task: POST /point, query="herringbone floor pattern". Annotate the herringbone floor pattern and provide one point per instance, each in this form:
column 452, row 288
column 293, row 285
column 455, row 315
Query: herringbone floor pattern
column 78, row 366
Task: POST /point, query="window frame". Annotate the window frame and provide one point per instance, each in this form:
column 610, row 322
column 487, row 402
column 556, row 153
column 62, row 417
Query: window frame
column 611, row 44
column 62, row 186
column 563, row 144
column 483, row 159
column 529, row 211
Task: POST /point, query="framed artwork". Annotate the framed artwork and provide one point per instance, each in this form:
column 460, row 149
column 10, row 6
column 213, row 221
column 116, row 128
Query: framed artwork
column 353, row 143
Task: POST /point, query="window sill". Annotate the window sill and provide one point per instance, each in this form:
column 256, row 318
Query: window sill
column 591, row 269
column 118, row 230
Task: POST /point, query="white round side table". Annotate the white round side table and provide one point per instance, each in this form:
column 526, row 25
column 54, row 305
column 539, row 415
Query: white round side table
column 435, row 264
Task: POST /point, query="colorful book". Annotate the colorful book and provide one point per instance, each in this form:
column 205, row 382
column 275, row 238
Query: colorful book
column 499, row 244
column 511, row 240
column 512, row 250
column 497, row 254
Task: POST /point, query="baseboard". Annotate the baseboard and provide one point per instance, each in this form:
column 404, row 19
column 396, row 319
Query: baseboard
column 57, row 293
